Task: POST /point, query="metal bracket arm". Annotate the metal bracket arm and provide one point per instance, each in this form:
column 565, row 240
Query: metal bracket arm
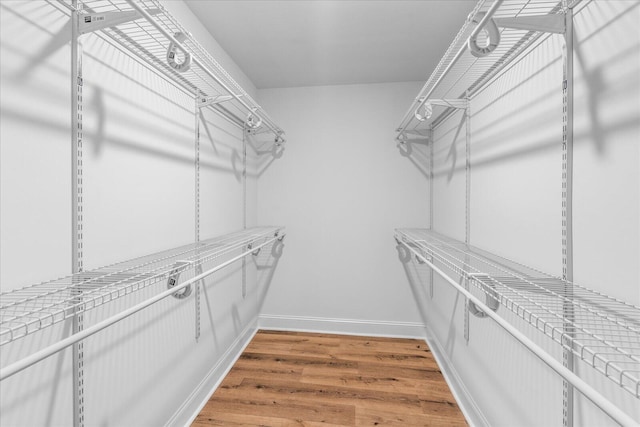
column 204, row 101
column 554, row 23
column 90, row 22
column 414, row 135
column 258, row 132
column 460, row 103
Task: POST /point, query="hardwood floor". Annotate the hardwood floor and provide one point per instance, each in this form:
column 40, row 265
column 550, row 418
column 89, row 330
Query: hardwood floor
column 302, row 379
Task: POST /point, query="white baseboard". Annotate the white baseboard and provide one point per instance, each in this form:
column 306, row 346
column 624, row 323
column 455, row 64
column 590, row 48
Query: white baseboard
column 342, row 326
column 192, row 406
column 467, row 405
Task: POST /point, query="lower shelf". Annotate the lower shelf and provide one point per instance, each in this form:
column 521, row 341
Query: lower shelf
column 30, row 309
column 600, row 330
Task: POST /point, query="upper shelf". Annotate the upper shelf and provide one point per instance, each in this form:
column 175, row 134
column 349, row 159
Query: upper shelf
column 148, row 31
column 27, row 310
column 600, row 330
column 460, row 73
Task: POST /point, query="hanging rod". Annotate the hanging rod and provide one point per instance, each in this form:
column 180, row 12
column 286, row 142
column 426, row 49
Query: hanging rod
column 34, row 358
column 589, row 392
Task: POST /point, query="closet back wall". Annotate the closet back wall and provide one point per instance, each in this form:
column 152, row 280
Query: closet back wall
column 341, row 188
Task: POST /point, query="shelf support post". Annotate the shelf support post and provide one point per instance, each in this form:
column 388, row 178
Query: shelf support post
column 76, row 211
column 467, row 214
column 567, row 212
column 431, row 174
column 245, row 135
column 197, row 211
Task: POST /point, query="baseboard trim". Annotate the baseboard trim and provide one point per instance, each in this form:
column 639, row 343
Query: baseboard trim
column 342, row 326
column 468, row 406
column 189, row 410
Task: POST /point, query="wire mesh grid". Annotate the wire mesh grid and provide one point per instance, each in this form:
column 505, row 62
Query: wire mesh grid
column 27, row 310
column 602, row 331
column 469, row 73
column 143, row 40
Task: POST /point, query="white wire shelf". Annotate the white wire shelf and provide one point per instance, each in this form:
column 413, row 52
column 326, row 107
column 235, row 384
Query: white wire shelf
column 33, row 308
column 460, row 75
column 602, row 331
column 145, row 41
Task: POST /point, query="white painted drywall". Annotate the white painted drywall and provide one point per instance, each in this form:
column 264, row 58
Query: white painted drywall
column 35, row 194
column 139, row 198
column 515, row 206
column 341, row 188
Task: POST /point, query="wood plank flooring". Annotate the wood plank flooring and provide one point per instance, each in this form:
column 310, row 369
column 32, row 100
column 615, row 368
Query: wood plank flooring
column 303, row 379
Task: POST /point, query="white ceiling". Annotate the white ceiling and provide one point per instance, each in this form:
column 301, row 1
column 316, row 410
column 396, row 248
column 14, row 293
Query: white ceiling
column 280, row 43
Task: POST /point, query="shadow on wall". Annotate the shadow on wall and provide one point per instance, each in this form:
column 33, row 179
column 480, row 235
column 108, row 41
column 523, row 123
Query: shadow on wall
column 267, row 152
column 593, row 76
column 266, row 263
column 97, row 105
column 417, row 151
column 416, row 273
column 99, row 101
column 418, row 280
column 453, row 151
column 57, row 40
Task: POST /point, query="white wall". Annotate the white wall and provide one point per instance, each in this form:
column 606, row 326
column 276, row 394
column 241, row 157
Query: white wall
column 341, row 188
column 139, row 198
column 515, row 206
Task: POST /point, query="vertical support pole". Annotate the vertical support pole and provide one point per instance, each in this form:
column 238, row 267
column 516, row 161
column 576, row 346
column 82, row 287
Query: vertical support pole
column 431, row 175
column 197, row 212
column 244, row 207
column 467, row 198
column 567, row 214
column 467, row 203
column 76, row 209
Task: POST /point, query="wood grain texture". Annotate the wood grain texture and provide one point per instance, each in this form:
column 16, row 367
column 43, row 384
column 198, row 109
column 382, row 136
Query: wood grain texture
column 306, row 379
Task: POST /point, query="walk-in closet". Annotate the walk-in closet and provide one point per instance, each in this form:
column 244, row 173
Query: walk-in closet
column 319, row 212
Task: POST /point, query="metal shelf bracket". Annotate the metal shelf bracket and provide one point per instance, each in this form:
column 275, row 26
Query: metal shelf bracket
column 205, row 101
column 90, row 22
column 490, row 295
column 254, row 253
column 172, row 281
column 553, row 23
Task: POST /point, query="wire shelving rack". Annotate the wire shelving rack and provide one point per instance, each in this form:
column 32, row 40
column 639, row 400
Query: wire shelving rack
column 205, row 77
column 602, row 331
column 459, row 74
column 33, row 308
